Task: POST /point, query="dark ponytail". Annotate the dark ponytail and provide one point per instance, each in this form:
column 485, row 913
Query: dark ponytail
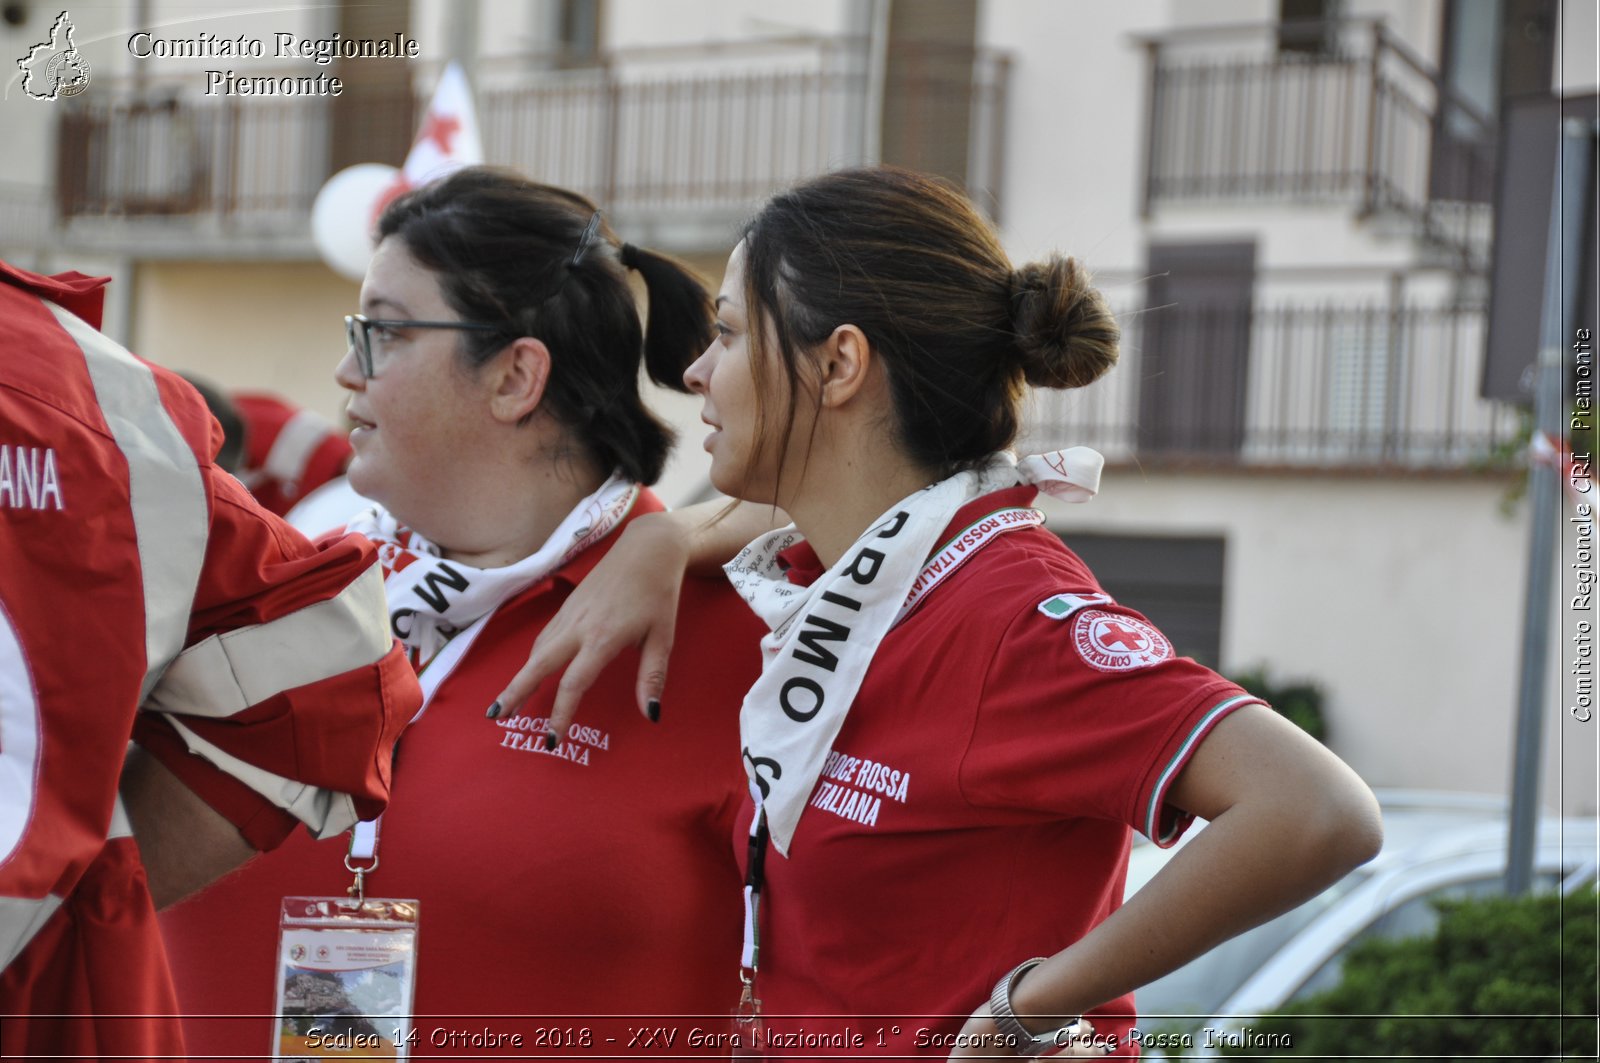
column 680, row 314
column 543, row 261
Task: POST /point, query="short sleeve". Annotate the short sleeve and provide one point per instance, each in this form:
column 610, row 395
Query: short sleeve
column 1086, row 711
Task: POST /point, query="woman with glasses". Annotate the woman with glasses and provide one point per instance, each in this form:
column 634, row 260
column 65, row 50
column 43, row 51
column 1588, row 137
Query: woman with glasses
column 569, row 873
column 956, row 729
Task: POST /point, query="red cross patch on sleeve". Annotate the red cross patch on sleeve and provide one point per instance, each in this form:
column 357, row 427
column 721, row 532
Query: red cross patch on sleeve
column 1112, row 642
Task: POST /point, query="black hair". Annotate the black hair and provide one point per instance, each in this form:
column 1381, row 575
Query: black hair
column 543, row 261
column 230, row 456
column 910, row 262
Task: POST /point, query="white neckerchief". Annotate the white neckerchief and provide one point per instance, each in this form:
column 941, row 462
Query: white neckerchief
column 823, row 636
column 430, row 599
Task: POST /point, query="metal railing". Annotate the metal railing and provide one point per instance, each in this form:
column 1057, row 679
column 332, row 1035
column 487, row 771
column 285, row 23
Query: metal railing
column 667, row 130
column 176, row 157
column 1359, row 119
column 662, row 139
column 25, row 217
column 1305, row 386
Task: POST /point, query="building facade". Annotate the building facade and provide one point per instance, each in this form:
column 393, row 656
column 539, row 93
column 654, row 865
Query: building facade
column 1291, row 203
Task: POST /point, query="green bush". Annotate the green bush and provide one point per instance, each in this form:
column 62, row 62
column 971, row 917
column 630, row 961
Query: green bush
column 1300, row 702
column 1502, row 978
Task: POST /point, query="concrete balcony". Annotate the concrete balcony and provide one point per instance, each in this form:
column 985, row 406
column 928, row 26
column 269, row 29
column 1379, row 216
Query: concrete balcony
column 1319, row 113
column 678, row 145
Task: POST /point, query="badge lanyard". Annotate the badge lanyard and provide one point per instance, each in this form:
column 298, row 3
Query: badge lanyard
column 330, row 946
column 749, row 1033
column 748, row 1028
column 361, row 859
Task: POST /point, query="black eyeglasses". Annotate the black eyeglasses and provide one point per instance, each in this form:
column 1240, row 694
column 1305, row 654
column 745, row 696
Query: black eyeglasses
column 358, row 333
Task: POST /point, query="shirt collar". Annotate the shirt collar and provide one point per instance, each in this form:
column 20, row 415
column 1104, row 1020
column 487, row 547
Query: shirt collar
column 802, row 566
column 574, row 571
column 80, row 293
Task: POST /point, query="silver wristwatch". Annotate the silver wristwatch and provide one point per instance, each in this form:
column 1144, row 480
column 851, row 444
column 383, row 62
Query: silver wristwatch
column 1025, row 1043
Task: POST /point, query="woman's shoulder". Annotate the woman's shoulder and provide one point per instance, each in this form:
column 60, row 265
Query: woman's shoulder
column 709, row 603
column 997, row 603
column 1018, row 572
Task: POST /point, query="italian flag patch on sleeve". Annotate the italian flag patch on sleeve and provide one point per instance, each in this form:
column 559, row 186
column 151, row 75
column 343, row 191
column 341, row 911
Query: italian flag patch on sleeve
column 1062, row 606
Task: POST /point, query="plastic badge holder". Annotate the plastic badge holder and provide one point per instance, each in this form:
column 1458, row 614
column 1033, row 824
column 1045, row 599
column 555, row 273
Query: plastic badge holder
column 347, row 969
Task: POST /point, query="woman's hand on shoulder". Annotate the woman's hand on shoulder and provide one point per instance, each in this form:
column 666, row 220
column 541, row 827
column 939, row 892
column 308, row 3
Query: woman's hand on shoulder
column 629, row 599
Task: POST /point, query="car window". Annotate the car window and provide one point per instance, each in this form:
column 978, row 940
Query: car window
column 1415, row 917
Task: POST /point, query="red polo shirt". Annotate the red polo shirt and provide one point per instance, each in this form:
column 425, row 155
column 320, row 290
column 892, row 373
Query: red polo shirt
column 126, row 559
column 554, row 888
column 1011, row 733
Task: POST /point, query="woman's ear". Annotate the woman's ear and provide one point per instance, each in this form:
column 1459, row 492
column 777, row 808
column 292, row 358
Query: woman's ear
column 846, row 358
column 520, row 374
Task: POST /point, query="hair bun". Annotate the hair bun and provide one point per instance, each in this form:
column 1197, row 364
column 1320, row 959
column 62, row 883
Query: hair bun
column 1065, row 334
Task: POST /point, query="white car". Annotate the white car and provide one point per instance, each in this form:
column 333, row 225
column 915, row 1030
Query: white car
column 1435, row 846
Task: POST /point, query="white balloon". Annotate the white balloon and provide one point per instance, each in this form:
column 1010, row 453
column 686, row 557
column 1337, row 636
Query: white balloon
column 341, row 217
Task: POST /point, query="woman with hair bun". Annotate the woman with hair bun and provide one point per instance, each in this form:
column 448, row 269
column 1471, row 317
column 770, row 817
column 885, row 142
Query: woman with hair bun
column 957, row 730
column 565, row 872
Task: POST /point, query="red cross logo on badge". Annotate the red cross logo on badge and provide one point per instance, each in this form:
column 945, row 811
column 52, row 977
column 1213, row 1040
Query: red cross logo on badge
column 1114, row 635
column 1115, row 643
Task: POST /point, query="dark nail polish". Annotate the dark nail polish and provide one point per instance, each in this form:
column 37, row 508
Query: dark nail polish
column 652, row 709
column 550, row 740
column 494, row 711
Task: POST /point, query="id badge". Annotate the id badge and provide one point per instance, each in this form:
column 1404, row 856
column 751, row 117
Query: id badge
column 346, row 972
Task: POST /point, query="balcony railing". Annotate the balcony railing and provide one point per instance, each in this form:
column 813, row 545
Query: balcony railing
column 25, row 217
column 660, row 133
column 1237, row 115
column 258, row 159
column 1302, row 386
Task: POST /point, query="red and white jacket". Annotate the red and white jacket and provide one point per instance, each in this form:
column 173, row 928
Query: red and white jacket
column 143, row 590
column 288, row 452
